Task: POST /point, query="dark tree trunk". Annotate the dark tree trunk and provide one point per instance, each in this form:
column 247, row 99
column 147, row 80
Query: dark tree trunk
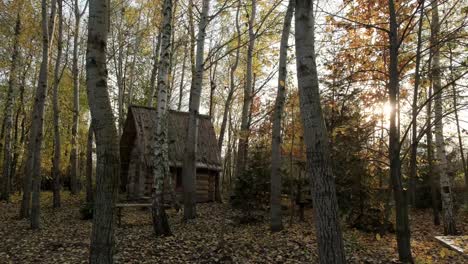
column 12, row 83
column 430, row 161
column 414, row 124
column 401, row 205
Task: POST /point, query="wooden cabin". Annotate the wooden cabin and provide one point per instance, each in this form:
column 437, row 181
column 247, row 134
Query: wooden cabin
column 136, row 177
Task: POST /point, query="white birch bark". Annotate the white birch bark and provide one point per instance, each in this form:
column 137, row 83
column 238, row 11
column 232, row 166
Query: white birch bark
column 441, row 156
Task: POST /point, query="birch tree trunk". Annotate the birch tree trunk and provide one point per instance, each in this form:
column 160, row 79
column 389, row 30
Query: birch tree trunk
column 159, row 152
column 276, row 223
column 401, row 205
column 245, row 126
column 414, row 124
column 8, row 124
column 441, row 158
column 33, row 168
column 330, row 242
column 190, row 157
column 57, row 147
column 232, row 73
column 107, row 146
column 154, row 71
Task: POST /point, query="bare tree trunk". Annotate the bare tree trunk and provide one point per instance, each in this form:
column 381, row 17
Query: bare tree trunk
column 232, row 73
column 457, row 122
column 276, row 223
column 57, row 147
column 159, row 152
column 190, row 157
column 430, row 161
column 136, row 48
column 8, row 124
column 182, row 78
column 212, row 88
column 414, row 124
column 246, row 107
column 107, row 146
column 402, row 220
column 441, row 158
column 21, row 134
column 76, row 102
column 330, row 242
column 33, row 168
column 89, row 166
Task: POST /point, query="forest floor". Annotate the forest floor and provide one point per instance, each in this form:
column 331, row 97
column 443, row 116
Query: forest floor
column 64, row 238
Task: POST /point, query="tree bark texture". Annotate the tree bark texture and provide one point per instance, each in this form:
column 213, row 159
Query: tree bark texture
column 159, row 152
column 414, row 124
column 441, row 156
column 107, row 146
column 401, row 205
column 246, row 106
column 190, row 157
column 330, row 242
column 56, row 110
column 9, row 104
column 276, row 223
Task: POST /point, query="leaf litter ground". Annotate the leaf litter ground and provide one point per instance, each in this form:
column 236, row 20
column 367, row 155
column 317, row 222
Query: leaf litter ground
column 64, row 238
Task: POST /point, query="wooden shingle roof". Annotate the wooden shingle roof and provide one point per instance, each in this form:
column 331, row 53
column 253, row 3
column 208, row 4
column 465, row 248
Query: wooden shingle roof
column 140, row 127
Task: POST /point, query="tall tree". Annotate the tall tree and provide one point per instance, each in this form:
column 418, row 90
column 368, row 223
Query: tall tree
column 232, row 86
column 8, row 123
column 108, row 163
column 330, row 242
column 159, row 152
column 248, row 93
column 430, row 160
column 441, row 158
column 276, row 223
column 401, row 206
column 76, row 98
column 190, row 156
column 414, row 124
column 182, row 77
column 33, row 166
column 455, row 95
column 57, row 77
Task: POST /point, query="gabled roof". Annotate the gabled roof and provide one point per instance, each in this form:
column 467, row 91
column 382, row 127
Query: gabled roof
column 140, row 127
